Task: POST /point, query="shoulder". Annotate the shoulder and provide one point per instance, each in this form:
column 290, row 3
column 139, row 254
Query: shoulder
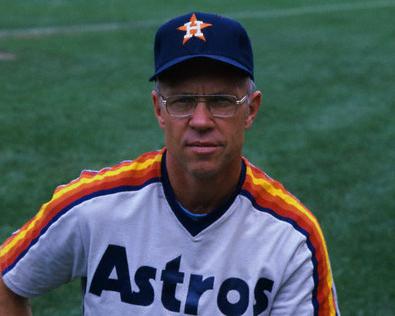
column 270, row 196
column 125, row 176
column 129, row 174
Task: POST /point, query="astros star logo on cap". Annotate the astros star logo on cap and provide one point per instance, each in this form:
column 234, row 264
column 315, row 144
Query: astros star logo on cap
column 193, row 28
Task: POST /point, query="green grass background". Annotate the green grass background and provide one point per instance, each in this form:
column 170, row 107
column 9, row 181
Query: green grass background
column 326, row 127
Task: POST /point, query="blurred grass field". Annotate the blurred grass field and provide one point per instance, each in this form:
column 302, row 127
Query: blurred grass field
column 77, row 99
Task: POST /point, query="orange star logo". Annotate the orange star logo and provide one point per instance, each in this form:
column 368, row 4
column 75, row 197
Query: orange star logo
column 193, row 28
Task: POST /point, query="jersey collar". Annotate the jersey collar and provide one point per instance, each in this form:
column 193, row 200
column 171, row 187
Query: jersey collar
column 192, row 225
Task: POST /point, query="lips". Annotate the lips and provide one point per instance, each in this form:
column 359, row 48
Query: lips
column 201, row 147
column 201, row 144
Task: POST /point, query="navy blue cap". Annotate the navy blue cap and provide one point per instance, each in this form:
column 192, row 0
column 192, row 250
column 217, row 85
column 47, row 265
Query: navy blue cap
column 202, row 35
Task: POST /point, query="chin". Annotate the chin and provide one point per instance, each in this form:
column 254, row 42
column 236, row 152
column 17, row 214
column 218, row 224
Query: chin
column 203, row 171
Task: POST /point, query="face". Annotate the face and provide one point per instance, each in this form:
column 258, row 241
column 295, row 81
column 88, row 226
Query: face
column 203, row 146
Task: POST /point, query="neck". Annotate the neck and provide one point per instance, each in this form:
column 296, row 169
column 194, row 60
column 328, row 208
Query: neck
column 203, row 194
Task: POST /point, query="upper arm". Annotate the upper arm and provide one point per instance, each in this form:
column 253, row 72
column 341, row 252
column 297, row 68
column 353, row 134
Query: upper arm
column 307, row 286
column 12, row 304
column 295, row 295
column 42, row 256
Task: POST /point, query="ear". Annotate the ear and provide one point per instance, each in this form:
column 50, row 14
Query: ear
column 157, row 108
column 253, row 107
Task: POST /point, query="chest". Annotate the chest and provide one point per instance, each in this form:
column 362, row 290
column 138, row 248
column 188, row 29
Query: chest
column 140, row 256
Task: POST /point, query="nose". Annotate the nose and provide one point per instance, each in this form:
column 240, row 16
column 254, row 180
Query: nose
column 201, row 118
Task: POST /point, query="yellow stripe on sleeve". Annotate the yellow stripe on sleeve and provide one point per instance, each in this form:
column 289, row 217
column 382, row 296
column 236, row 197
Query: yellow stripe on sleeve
column 134, row 165
column 289, row 199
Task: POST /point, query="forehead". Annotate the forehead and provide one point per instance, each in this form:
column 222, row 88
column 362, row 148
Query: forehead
column 203, row 74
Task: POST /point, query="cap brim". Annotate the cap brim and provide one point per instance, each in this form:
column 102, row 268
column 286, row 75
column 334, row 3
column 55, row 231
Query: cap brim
column 225, row 60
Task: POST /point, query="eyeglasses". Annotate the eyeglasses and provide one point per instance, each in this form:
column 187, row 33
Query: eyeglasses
column 219, row 105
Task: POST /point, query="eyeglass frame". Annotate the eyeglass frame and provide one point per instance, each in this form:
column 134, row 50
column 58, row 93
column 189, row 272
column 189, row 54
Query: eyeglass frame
column 197, row 97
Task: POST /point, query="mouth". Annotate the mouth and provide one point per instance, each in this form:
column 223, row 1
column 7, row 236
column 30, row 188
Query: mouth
column 203, row 148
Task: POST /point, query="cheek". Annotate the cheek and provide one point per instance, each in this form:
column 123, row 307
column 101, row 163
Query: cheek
column 236, row 136
column 239, row 140
column 172, row 132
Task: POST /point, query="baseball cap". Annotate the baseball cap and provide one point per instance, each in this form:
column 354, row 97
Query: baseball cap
column 202, row 35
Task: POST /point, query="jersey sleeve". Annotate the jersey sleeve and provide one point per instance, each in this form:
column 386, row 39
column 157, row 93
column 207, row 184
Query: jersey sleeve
column 51, row 249
column 46, row 252
column 307, row 284
column 297, row 292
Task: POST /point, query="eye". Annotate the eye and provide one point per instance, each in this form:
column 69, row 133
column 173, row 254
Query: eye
column 181, row 101
column 222, row 101
column 180, row 104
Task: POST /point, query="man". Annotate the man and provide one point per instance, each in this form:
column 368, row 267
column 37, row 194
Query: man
column 192, row 229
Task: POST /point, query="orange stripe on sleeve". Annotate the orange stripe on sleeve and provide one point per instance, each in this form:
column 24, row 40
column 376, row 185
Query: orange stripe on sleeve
column 129, row 173
column 270, row 194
